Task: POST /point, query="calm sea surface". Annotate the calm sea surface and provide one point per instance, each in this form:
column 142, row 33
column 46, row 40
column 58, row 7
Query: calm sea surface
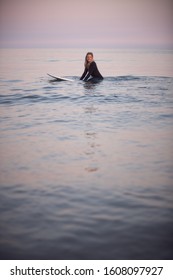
column 86, row 170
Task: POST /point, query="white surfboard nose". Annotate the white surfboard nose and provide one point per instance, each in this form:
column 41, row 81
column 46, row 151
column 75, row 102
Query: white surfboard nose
column 60, row 78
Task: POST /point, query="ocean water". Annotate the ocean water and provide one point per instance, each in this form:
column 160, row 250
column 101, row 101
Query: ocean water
column 86, row 170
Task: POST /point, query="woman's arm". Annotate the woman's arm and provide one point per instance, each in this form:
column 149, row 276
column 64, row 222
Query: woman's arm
column 90, row 70
column 84, row 74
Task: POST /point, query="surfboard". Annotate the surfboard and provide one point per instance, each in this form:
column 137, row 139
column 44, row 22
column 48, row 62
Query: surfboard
column 60, row 79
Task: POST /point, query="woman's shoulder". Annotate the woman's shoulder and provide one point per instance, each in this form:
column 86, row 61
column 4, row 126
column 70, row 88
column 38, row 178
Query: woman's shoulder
column 93, row 63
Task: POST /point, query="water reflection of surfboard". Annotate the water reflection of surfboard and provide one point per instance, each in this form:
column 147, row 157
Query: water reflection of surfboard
column 60, row 79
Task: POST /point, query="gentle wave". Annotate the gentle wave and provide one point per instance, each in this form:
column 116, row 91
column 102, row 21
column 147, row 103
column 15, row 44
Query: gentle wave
column 111, row 89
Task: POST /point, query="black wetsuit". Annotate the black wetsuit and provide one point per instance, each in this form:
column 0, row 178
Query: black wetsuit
column 92, row 71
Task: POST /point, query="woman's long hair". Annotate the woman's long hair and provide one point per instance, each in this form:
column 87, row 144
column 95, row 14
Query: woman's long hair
column 87, row 64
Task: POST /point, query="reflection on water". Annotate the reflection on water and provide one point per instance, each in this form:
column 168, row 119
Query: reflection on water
column 92, row 140
column 91, row 85
column 86, row 169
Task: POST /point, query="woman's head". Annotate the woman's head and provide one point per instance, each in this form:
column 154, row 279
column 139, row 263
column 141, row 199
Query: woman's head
column 88, row 58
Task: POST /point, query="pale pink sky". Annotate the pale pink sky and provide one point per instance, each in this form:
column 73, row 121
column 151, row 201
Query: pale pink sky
column 92, row 23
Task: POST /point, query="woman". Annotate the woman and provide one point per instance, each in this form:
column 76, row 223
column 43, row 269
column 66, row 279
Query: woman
column 91, row 69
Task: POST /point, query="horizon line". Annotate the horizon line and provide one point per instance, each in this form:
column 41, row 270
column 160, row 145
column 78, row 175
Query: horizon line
column 161, row 47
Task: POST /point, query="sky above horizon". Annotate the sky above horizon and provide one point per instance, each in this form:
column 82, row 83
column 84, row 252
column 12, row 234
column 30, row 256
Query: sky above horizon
column 92, row 23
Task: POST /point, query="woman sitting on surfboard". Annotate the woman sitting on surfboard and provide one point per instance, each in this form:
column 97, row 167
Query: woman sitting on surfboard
column 91, row 71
